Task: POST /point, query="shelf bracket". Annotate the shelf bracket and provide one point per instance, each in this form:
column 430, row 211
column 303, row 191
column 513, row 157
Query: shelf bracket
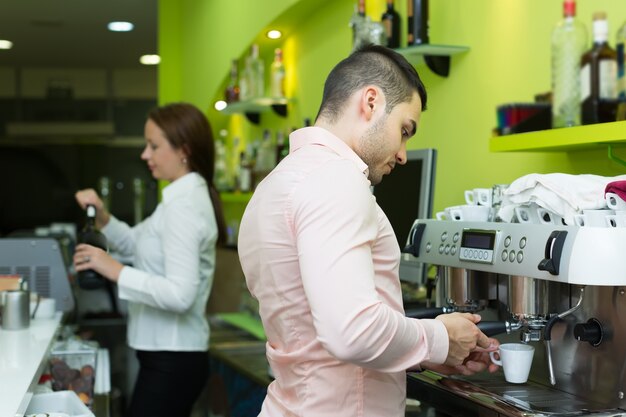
column 253, row 117
column 439, row 64
column 614, row 157
column 280, row 109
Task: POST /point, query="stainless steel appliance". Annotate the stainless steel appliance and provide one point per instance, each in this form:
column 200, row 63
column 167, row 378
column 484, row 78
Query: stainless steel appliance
column 560, row 288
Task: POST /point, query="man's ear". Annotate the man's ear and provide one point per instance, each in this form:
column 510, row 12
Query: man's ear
column 370, row 101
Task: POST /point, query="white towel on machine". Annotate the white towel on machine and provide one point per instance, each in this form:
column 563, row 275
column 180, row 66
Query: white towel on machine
column 562, row 194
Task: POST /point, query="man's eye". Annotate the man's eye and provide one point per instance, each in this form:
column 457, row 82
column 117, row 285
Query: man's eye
column 405, row 133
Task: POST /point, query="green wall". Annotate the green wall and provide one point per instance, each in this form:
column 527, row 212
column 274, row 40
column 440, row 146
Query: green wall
column 508, row 61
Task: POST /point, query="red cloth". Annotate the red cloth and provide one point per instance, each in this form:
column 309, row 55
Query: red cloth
column 617, row 187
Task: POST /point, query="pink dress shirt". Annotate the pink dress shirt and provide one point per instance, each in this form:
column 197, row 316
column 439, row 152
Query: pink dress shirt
column 322, row 259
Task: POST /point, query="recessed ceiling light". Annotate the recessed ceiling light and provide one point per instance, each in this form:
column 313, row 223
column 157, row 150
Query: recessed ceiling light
column 220, row 105
column 120, row 26
column 4, row 44
column 150, row 59
column 274, row 34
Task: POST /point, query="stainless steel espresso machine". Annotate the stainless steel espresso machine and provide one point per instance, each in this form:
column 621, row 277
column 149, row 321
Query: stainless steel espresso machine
column 560, row 288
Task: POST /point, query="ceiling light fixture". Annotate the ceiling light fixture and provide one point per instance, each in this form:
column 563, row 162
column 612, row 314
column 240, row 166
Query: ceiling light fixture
column 220, row 105
column 4, row 44
column 274, row 34
column 150, row 59
column 120, row 26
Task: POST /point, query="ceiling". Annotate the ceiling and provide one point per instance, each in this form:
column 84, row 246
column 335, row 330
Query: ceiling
column 73, row 33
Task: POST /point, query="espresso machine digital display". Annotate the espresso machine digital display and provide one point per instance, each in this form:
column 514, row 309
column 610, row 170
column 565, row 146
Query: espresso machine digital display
column 478, row 245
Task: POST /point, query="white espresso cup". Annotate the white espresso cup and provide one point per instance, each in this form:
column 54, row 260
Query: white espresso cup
column 527, row 214
column 616, row 220
column 516, row 360
column 479, row 196
column 446, row 214
column 471, row 213
column 593, row 218
column 614, row 201
column 548, row 217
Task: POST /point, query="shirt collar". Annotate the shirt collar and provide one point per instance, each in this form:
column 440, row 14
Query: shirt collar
column 319, row 136
column 182, row 186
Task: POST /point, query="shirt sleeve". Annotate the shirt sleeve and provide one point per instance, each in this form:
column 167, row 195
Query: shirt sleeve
column 120, row 236
column 335, row 225
column 182, row 235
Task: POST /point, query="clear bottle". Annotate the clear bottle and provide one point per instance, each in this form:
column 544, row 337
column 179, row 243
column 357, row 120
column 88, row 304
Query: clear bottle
column 232, row 90
column 90, row 279
column 277, row 75
column 569, row 41
column 598, row 72
column 255, row 73
column 357, row 23
column 621, row 68
column 391, row 21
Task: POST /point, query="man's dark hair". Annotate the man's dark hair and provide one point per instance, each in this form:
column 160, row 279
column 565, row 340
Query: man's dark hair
column 371, row 65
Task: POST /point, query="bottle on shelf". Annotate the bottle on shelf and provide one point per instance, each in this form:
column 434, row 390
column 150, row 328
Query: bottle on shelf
column 357, row 22
column 246, row 165
column 621, row 72
column 90, row 279
column 417, row 13
column 598, row 74
column 568, row 44
column 266, row 157
column 391, row 22
column 252, row 80
column 277, row 75
column 282, row 148
column 231, row 94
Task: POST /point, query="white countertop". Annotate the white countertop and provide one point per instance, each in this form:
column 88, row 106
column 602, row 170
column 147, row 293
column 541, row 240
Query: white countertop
column 21, row 354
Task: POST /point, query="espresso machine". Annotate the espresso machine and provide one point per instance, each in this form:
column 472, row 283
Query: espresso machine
column 560, row 288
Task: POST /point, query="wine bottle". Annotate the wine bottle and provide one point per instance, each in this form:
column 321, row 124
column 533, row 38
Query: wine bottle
column 391, row 22
column 621, row 68
column 568, row 43
column 90, row 279
column 598, row 72
column 417, row 13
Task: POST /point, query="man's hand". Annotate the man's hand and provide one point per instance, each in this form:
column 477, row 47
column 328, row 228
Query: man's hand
column 464, row 337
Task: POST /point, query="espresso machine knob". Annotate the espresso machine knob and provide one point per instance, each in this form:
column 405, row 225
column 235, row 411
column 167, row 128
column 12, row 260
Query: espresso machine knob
column 589, row 332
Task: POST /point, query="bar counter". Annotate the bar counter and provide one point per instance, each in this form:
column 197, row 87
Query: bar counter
column 22, row 354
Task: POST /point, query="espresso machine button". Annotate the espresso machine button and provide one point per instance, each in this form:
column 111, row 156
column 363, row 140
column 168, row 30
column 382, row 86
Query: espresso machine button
column 589, row 332
column 453, row 250
column 444, row 236
column 507, row 241
column 428, row 247
column 522, row 243
column 505, row 255
column 455, row 238
column 520, row 257
column 511, row 256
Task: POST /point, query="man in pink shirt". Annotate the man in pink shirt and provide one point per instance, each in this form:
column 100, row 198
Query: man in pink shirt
column 322, row 259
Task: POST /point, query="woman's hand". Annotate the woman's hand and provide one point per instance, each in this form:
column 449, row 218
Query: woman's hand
column 89, row 196
column 477, row 361
column 90, row 257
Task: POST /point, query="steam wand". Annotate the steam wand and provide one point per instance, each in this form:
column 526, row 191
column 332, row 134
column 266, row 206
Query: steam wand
column 548, row 330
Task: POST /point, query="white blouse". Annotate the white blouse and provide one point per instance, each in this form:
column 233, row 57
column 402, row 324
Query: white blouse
column 172, row 274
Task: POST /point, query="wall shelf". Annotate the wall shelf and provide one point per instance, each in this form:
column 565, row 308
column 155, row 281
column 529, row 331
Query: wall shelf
column 436, row 57
column 564, row 139
column 254, row 107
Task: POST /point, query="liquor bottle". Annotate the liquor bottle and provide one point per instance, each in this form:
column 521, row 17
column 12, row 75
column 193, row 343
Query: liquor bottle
column 232, row 90
column 255, row 72
column 282, row 148
column 569, row 41
column 417, row 13
column 277, row 75
column 358, row 23
column 90, row 279
column 598, row 73
column 621, row 69
column 391, row 22
column 245, row 173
